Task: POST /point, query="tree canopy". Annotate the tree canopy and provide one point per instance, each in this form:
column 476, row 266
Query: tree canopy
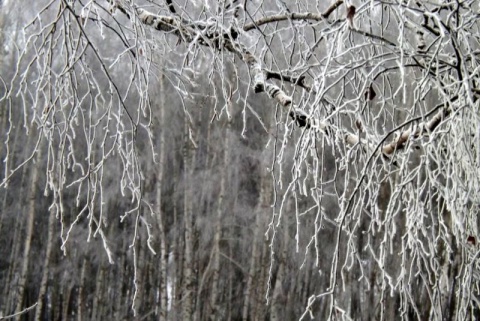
column 342, row 137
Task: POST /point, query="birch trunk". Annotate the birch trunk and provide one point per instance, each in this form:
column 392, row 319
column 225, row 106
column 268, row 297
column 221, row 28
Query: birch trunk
column 141, row 284
column 67, row 293
column 46, row 265
column 187, row 291
column 262, row 206
column 259, row 307
column 203, row 195
column 218, row 228
column 258, row 266
column 173, row 258
column 32, row 195
column 12, row 276
column 120, row 288
column 278, row 296
column 81, row 286
column 11, row 282
column 158, row 210
column 6, row 105
column 97, row 299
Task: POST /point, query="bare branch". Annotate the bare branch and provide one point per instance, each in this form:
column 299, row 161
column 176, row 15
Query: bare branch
column 11, row 316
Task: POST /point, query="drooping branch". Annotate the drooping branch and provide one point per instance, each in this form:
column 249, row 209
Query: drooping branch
column 166, row 24
column 376, row 37
column 219, row 39
column 440, row 112
column 294, row 16
column 300, row 80
column 11, row 316
column 209, row 35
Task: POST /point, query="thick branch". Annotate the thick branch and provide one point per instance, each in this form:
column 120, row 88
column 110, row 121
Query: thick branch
column 370, row 35
column 261, row 76
column 294, row 16
column 441, row 112
column 163, row 23
column 218, row 40
column 300, row 81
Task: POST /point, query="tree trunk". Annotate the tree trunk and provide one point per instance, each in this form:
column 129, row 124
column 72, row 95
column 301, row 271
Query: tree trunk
column 32, row 195
column 80, row 301
column 67, row 294
column 258, row 264
column 12, row 276
column 141, row 249
column 259, row 308
column 188, row 277
column 278, row 302
column 218, row 227
column 46, row 265
column 97, row 298
column 175, row 260
column 204, row 193
column 158, row 209
column 262, row 206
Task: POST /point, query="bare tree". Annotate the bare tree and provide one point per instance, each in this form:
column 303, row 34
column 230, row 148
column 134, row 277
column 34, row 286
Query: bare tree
column 373, row 124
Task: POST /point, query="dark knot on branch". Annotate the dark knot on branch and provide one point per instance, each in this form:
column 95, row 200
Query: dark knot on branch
column 300, row 118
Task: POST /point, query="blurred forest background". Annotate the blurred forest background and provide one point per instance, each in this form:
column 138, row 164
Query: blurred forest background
column 143, row 179
column 220, row 190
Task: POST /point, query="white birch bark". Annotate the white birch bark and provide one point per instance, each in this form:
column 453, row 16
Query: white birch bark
column 254, row 264
column 218, row 227
column 158, row 209
column 188, row 276
column 32, row 195
column 278, row 295
column 46, row 265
